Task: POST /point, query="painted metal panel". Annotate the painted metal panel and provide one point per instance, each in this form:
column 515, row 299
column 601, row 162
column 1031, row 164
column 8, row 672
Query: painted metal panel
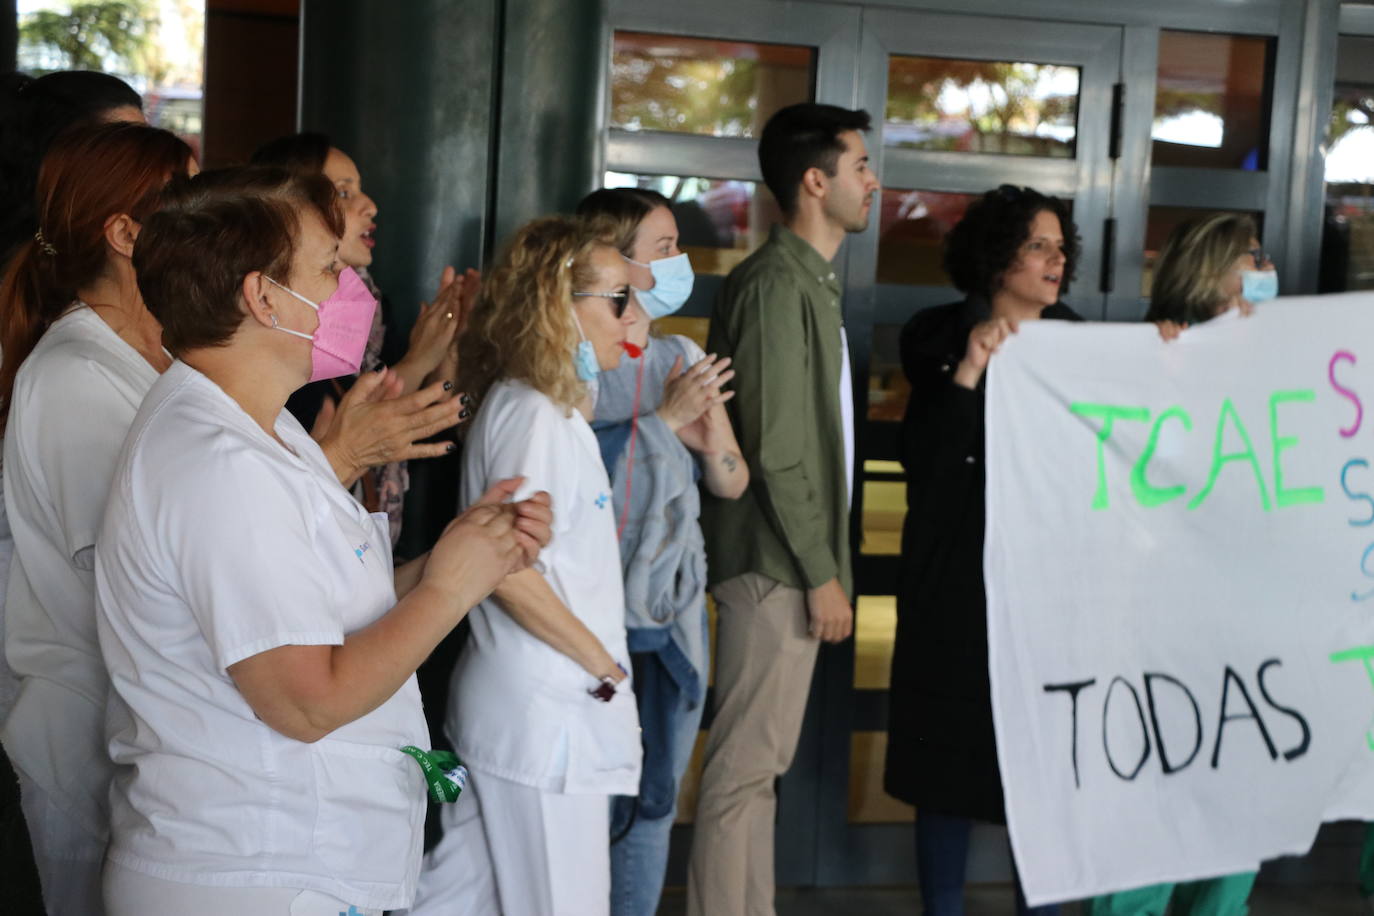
column 1134, row 172
column 1300, row 246
column 1217, row 189
column 655, row 153
column 1356, row 19
column 1208, row 15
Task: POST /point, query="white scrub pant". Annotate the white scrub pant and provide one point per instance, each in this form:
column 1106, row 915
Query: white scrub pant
column 512, row 850
column 132, row 893
column 67, row 855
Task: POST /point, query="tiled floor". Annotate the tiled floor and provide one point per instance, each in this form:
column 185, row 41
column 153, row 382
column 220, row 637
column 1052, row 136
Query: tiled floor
column 1267, row 900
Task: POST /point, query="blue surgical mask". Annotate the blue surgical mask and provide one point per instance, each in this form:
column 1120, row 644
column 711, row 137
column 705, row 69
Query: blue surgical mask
column 1258, row 286
column 673, row 279
column 584, row 357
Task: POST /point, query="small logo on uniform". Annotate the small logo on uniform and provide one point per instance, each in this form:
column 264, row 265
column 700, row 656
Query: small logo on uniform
column 602, row 499
column 361, row 549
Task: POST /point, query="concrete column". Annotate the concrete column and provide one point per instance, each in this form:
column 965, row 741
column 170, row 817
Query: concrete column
column 9, row 34
column 406, row 89
column 552, row 108
column 466, row 118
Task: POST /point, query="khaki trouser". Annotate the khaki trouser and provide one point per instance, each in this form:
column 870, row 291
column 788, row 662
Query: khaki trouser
column 764, row 659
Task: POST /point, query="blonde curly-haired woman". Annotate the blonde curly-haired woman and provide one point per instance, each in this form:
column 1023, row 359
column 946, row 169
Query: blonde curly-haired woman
column 539, row 707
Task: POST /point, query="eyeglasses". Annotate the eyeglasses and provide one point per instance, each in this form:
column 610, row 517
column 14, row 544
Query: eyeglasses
column 620, row 299
column 1261, row 257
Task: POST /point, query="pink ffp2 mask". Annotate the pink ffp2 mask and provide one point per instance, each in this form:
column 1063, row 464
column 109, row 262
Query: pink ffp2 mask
column 336, row 347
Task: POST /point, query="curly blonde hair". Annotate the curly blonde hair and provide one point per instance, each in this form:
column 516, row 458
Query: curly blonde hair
column 522, row 325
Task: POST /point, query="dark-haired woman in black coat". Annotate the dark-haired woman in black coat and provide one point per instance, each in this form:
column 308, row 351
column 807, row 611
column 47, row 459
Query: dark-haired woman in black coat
column 1011, row 256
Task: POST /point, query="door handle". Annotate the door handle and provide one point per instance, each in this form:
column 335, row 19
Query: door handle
column 1118, row 104
column 1108, row 254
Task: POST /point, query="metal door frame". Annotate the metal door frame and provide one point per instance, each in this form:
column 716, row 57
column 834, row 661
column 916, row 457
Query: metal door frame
column 816, row 844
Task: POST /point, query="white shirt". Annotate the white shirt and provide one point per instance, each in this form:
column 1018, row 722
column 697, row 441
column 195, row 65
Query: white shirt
column 220, row 544
column 9, row 681
column 73, row 401
column 847, row 412
column 518, row 708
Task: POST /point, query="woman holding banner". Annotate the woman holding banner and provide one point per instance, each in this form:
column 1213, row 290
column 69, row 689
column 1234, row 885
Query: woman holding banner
column 1011, row 256
column 1206, row 268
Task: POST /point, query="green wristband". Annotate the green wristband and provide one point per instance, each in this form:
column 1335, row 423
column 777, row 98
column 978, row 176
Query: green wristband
column 443, row 772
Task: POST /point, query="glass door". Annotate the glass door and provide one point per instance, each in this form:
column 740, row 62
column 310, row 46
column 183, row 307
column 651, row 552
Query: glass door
column 691, row 86
column 962, row 104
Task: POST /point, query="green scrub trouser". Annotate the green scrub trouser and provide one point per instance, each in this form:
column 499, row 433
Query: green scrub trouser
column 1225, row 896
column 1367, row 863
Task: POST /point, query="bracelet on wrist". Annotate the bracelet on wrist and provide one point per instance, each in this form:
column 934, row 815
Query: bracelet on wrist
column 606, row 690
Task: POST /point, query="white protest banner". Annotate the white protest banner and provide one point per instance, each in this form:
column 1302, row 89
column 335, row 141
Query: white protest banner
column 1180, row 583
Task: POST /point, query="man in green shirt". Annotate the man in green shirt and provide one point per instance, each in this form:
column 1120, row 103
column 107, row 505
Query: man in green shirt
column 778, row 556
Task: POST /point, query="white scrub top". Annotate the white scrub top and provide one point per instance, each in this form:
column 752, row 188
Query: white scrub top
column 518, row 708
column 74, row 399
column 219, row 544
column 9, row 681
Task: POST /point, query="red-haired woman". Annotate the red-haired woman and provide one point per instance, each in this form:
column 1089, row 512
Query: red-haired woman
column 80, row 350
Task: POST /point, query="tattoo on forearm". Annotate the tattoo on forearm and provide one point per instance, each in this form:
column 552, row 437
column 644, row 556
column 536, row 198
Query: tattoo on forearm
column 730, row 463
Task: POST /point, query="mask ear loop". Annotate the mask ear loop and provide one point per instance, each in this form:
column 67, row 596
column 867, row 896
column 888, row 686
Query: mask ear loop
column 630, row 454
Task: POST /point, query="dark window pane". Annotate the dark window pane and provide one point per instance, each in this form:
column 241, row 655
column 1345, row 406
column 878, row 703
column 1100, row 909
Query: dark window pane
column 875, row 627
column 719, row 222
column 1347, row 258
column 912, row 231
column 702, row 86
column 888, row 389
column 1162, row 221
column 1212, row 101
column 974, row 106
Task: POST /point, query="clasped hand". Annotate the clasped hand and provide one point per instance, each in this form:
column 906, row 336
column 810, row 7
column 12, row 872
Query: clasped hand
column 491, row 539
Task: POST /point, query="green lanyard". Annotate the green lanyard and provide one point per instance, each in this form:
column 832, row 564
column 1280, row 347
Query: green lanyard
column 445, row 773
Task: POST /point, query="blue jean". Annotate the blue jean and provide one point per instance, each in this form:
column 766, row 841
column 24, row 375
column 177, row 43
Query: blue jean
column 639, row 860
column 941, row 859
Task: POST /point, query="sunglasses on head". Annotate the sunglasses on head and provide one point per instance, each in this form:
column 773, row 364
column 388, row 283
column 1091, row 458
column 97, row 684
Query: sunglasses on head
column 620, row 299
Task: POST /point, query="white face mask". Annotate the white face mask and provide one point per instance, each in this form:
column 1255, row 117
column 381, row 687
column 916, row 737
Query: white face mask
column 584, row 357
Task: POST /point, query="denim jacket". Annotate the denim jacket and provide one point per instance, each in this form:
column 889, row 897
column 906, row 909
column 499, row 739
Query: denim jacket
column 663, row 554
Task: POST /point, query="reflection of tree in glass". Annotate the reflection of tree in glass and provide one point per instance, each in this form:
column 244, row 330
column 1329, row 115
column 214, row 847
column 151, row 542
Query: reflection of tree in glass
column 1175, row 103
column 102, row 35
column 1349, row 113
column 679, row 93
column 1006, row 107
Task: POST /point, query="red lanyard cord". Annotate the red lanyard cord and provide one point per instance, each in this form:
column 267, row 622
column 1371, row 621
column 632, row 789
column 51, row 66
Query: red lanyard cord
column 634, row 353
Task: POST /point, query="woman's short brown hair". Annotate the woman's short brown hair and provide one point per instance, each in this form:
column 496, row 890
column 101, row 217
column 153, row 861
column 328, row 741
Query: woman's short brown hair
column 211, row 232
